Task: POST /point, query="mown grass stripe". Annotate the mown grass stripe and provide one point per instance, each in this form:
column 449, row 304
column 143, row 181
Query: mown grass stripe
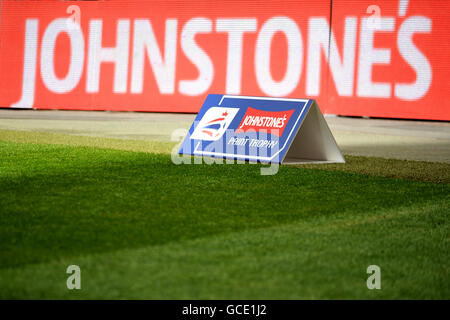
column 305, row 259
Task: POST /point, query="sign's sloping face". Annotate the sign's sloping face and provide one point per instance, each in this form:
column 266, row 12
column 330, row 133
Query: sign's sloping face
column 257, row 129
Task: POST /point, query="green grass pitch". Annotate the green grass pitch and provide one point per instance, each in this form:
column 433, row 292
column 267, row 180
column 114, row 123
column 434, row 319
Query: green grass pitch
column 141, row 227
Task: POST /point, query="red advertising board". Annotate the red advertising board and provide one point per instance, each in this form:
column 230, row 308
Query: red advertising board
column 385, row 59
column 401, row 63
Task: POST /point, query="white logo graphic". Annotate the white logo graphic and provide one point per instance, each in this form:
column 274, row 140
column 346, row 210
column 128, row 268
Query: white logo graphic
column 214, row 123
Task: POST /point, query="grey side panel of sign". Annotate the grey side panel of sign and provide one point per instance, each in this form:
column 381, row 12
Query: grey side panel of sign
column 314, row 142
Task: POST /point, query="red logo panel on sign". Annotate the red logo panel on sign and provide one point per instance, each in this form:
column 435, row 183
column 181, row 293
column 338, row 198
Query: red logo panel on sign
column 272, row 122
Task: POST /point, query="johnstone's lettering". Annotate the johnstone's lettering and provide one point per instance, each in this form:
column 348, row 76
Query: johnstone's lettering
column 260, row 120
column 140, row 58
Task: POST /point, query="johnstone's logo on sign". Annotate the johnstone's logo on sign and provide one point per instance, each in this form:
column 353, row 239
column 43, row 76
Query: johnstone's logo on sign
column 260, row 120
column 261, row 129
